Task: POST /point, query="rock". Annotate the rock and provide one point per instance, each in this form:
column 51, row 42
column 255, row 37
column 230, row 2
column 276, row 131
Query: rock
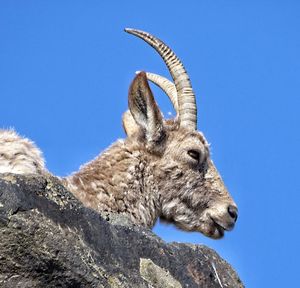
column 48, row 239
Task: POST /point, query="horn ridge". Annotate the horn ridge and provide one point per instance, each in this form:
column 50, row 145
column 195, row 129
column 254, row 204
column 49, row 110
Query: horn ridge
column 188, row 117
column 167, row 86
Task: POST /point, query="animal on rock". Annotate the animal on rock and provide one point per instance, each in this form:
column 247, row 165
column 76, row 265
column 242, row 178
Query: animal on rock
column 162, row 169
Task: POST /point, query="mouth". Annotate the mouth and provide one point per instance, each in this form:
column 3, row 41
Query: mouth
column 223, row 226
column 219, row 228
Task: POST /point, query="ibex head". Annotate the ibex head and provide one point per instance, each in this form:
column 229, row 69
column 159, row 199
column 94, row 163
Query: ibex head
column 191, row 192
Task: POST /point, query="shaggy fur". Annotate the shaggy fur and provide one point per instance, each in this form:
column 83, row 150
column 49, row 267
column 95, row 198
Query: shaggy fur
column 19, row 155
column 162, row 169
column 148, row 175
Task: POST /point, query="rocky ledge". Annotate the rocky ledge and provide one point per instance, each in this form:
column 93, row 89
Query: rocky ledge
column 48, row 239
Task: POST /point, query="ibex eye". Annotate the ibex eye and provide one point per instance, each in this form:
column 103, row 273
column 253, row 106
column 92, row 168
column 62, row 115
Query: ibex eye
column 194, row 154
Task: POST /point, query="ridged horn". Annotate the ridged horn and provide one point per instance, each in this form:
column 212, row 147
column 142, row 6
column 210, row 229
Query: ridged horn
column 166, row 85
column 186, row 97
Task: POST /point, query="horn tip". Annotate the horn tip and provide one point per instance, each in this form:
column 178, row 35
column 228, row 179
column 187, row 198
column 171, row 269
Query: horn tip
column 135, row 32
column 130, row 30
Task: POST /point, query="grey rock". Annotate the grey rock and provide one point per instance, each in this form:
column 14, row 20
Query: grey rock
column 48, row 239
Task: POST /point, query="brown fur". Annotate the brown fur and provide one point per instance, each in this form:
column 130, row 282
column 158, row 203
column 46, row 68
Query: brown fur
column 150, row 174
column 163, row 169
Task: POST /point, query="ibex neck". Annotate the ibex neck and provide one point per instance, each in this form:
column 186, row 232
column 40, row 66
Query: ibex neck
column 120, row 180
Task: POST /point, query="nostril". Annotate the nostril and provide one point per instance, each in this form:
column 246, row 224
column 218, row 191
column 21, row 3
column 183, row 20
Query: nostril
column 232, row 210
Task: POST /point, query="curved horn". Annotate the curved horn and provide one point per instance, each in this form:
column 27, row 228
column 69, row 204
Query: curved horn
column 186, row 96
column 166, row 85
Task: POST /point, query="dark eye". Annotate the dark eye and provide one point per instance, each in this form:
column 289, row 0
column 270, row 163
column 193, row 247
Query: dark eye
column 194, row 154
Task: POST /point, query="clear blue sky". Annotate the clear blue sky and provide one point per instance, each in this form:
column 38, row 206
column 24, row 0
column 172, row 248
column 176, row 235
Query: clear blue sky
column 65, row 68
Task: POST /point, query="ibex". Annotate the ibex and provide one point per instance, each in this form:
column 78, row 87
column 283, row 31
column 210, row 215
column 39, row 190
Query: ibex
column 162, row 169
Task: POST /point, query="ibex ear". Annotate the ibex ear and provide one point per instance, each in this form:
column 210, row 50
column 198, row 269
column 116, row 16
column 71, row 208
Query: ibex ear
column 129, row 124
column 144, row 109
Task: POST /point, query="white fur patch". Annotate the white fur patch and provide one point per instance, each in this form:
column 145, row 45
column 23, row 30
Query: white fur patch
column 19, row 155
